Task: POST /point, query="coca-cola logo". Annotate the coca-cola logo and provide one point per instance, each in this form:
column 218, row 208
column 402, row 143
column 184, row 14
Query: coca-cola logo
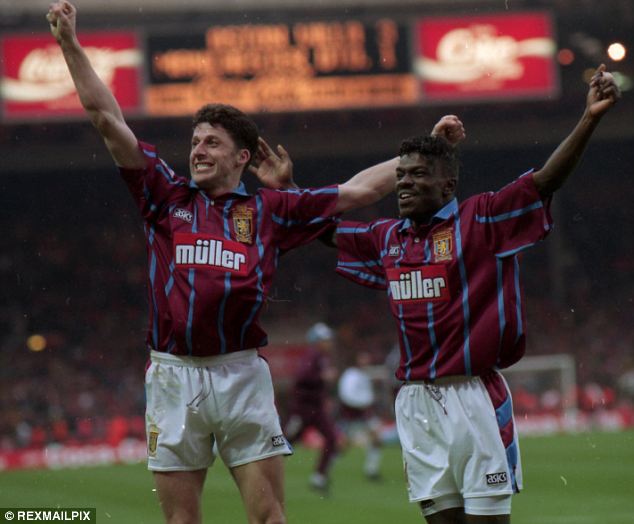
column 43, row 74
column 479, row 52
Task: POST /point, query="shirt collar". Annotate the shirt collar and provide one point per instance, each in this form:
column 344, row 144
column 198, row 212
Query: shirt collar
column 241, row 190
column 445, row 212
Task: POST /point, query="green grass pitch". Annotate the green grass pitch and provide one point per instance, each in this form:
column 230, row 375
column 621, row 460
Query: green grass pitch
column 582, row 479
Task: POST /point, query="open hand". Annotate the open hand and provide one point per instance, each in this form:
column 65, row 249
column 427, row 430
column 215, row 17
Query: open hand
column 273, row 169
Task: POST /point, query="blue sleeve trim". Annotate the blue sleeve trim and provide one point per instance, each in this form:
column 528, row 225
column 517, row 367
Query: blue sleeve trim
column 290, row 223
column 515, row 251
column 511, row 214
column 320, row 191
column 363, row 277
column 369, row 263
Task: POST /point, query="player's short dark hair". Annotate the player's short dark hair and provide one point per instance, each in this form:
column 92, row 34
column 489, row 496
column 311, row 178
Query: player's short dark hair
column 240, row 127
column 433, row 148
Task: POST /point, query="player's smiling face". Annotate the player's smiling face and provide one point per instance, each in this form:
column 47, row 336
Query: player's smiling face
column 215, row 162
column 422, row 187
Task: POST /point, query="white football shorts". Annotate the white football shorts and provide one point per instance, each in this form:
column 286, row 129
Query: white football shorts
column 453, row 453
column 196, row 404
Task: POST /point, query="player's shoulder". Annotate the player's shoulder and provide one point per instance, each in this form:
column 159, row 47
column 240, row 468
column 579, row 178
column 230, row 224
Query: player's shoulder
column 377, row 226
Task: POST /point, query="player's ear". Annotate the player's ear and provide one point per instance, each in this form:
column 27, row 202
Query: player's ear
column 244, row 155
column 451, row 184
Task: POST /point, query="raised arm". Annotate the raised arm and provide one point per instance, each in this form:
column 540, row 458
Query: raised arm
column 602, row 95
column 100, row 104
column 373, row 183
column 275, row 170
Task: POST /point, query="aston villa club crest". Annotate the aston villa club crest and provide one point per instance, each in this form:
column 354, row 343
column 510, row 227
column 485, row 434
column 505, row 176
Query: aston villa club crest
column 443, row 245
column 152, row 442
column 243, row 224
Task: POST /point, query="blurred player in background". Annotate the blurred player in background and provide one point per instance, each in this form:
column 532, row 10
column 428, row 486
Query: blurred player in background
column 452, row 275
column 212, row 252
column 310, row 404
column 358, row 416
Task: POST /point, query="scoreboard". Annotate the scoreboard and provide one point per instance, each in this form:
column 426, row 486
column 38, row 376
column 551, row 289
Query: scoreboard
column 283, row 67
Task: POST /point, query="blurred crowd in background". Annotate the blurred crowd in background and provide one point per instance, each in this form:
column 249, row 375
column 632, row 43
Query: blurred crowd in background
column 73, row 308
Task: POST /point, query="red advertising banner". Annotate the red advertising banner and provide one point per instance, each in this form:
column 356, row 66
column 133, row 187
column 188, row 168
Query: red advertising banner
column 487, row 57
column 57, row 456
column 35, row 82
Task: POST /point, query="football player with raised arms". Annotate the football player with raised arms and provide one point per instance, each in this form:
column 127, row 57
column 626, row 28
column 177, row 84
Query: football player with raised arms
column 212, row 251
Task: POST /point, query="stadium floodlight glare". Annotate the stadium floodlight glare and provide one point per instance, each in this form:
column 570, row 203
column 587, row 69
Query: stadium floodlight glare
column 36, row 343
column 617, row 51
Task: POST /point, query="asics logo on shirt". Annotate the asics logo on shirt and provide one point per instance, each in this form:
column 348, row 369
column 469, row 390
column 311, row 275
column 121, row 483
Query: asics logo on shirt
column 200, row 251
column 183, row 214
column 424, row 284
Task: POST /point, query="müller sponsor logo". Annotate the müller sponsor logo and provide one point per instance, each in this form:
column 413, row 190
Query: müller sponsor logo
column 43, row 75
column 424, row 284
column 199, row 251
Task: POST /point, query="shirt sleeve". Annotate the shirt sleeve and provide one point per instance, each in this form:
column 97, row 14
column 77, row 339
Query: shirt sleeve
column 155, row 186
column 515, row 217
column 301, row 215
column 359, row 254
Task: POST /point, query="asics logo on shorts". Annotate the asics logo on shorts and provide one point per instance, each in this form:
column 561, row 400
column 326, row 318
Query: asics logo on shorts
column 278, row 440
column 200, row 251
column 496, row 478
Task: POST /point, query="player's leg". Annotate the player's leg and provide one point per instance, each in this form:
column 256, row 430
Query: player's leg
column 448, row 516
column 488, row 510
column 179, row 442
column 425, row 434
column 296, row 424
column 488, row 519
column 493, row 469
column 261, row 485
column 179, row 494
column 458, row 515
column 249, row 436
column 372, row 466
column 324, row 424
column 446, row 509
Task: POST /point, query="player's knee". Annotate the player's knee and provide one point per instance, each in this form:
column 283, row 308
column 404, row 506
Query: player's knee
column 272, row 513
column 183, row 515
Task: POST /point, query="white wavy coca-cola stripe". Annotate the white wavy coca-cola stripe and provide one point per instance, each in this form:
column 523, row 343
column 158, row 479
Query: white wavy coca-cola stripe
column 21, row 91
column 456, row 69
column 43, row 75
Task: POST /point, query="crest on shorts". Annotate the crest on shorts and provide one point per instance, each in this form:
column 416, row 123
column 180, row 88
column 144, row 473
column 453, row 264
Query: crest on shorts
column 243, row 224
column 443, row 245
column 152, row 440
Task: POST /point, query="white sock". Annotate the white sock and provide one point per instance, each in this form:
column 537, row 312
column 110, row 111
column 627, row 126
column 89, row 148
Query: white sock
column 372, row 461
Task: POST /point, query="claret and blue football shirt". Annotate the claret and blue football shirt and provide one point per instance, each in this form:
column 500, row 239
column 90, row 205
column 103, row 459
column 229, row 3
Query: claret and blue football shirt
column 211, row 261
column 454, row 284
